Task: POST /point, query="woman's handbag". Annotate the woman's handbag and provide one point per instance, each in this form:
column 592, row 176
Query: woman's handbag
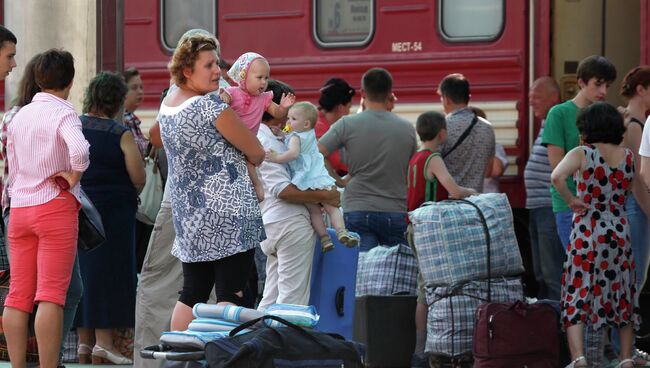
column 152, row 193
column 91, row 229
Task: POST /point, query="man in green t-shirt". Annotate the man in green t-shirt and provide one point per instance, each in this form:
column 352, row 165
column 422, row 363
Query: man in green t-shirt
column 595, row 74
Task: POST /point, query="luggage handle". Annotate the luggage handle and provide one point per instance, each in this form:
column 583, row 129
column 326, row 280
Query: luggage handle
column 520, row 307
column 339, row 300
column 164, row 352
column 250, row 323
column 401, row 293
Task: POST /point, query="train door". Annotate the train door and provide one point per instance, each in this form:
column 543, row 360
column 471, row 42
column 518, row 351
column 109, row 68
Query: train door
column 583, row 28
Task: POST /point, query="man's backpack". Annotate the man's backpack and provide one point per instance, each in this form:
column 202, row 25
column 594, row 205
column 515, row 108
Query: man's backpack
column 291, row 346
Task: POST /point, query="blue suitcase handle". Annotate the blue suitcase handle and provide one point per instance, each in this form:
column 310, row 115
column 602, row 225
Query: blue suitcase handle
column 339, row 300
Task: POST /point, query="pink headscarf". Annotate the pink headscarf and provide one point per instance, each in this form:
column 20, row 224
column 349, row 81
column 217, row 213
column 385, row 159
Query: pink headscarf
column 240, row 68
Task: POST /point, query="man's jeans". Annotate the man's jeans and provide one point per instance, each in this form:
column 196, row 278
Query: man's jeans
column 640, row 240
column 374, row 228
column 564, row 224
column 547, row 251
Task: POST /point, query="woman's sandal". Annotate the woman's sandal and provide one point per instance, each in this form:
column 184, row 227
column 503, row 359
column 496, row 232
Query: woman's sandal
column 578, row 362
column 84, row 351
column 104, row 356
column 625, row 363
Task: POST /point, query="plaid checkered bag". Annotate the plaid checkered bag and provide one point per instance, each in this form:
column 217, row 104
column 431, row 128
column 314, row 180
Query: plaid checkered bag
column 387, row 270
column 450, row 324
column 451, row 242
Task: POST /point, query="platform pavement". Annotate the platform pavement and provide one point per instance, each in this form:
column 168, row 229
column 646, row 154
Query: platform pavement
column 72, row 365
column 68, row 365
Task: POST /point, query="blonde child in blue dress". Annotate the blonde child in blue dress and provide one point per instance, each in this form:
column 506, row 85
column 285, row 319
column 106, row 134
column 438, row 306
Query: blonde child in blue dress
column 308, row 171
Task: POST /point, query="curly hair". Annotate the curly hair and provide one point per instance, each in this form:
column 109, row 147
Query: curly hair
column 105, row 94
column 187, row 51
column 600, row 123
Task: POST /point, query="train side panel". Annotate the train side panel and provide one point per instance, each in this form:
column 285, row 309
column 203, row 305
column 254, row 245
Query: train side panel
column 405, row 40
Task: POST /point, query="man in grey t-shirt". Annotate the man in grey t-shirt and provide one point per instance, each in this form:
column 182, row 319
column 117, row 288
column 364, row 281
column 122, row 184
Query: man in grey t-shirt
column 378, row 146
column 470, row 160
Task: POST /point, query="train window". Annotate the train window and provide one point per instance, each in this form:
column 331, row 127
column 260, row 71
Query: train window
column 177, row 17
column 343, row 23
column 470, row 20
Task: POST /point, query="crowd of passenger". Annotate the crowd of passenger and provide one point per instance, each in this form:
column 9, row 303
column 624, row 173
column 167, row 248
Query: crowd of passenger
column 252, row 169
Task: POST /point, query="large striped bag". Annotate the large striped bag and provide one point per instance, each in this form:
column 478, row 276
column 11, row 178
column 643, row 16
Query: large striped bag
column 452, row 243
column 387, row 270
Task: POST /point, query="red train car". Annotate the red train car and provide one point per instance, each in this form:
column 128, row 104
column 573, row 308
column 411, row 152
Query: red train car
column 500, row 45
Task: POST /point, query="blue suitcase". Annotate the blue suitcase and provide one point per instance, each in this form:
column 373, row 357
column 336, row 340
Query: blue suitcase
column 333, row 284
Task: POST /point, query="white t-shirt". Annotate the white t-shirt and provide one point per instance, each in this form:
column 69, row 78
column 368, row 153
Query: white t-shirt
column 644, row 148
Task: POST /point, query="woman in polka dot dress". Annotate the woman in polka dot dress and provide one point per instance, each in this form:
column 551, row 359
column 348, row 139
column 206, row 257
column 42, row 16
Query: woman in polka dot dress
column 598, row 281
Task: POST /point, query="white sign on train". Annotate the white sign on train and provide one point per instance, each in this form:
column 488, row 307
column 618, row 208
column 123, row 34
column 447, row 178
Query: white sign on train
column 405, row 46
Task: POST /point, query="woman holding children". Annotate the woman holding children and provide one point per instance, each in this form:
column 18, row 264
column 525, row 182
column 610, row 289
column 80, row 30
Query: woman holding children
column 598, row 285
column 216, row 214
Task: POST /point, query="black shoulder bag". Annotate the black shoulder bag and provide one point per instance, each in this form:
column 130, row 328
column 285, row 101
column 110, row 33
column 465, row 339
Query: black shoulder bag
column 462, row 136
column 290, row 346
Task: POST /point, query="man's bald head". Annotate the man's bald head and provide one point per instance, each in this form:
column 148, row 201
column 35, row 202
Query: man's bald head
column 544, row 94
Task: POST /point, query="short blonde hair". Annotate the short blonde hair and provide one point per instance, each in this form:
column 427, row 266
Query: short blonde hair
column 309, row 110
column 187, row 51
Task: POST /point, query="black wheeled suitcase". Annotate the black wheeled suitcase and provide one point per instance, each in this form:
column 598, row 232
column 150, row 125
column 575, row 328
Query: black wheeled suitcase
column 386, row 326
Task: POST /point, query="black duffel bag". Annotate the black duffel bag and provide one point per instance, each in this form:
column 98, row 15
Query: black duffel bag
column 291, row 346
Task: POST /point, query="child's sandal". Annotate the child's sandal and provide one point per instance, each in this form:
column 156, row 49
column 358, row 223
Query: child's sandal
column 326, row 244
column 346, row 238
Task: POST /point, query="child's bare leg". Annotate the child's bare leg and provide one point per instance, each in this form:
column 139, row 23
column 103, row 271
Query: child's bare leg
column 339, row 224
column 257, row 183
column 319, row 226
column 317, row 219
column 336, row 218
